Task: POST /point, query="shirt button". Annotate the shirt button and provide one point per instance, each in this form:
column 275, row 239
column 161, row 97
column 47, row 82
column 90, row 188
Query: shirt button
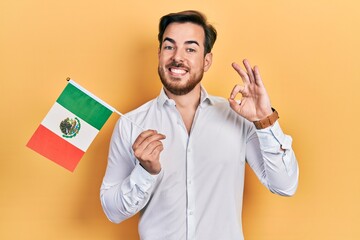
column 191, row 213
column 189, row 182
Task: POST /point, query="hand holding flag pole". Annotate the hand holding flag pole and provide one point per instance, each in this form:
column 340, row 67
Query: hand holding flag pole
column 71, row 125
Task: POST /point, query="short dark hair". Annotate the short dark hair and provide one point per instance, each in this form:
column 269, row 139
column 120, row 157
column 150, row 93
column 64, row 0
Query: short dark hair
column 192, row 17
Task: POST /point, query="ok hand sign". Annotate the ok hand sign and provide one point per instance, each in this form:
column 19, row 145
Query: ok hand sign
column 255, row 102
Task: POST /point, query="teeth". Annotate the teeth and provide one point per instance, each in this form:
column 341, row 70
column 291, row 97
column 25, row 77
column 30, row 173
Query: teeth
column 177, row 71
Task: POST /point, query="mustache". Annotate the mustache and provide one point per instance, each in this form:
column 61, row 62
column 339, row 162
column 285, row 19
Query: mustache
column 177, row 64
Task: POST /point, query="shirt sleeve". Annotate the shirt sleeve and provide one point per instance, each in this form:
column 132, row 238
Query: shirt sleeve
column 127, row 186
column 269, row 153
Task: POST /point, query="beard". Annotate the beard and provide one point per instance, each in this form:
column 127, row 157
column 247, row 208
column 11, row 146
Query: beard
column 173, row 84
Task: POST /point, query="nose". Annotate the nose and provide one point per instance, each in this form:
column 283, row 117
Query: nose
column 178, row 56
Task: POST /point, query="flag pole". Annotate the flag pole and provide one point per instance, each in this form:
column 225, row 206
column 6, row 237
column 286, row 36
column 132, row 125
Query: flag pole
column 116, row 111
column 122, row 115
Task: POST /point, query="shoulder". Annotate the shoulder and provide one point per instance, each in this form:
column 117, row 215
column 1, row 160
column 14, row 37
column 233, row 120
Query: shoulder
column 142, row 110
column 216, row 100
column 139, row 116
column 220, row 106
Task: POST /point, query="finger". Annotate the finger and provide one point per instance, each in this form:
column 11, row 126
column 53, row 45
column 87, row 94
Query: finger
column 249, row 70
column 258, row 79
column 235, row 105
column 156, row 152
column 156, row 148
column 151, row 153
column 244, row 76
column 237, row 89
column 148, row 141
column 142, row 136
column 148, row 150
column 145, row 138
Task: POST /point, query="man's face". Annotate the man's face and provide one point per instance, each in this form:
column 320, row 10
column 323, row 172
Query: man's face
column 181, row 58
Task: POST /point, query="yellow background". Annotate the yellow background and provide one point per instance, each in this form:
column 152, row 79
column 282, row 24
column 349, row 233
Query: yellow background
column 308, row 53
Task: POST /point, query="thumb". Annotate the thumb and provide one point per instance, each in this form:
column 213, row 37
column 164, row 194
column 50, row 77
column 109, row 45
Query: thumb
column 237, row 89
column 235, row 105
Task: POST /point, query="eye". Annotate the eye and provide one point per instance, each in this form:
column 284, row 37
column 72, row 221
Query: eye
column 167, row 47
column 191, row 50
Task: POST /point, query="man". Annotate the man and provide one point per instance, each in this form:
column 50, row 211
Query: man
column 186, row 174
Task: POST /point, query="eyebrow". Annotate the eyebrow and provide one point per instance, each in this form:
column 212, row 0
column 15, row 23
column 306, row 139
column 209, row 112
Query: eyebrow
column 186, row 42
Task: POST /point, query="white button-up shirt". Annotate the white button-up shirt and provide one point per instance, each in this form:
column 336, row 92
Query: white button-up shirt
column 199, row 192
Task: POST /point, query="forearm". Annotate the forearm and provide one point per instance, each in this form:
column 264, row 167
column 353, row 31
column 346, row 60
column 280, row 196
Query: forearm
column 278, row 168
column 122, row 200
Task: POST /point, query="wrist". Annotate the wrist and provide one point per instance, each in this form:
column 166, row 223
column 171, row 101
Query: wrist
column 267, row 121
column 151, row 169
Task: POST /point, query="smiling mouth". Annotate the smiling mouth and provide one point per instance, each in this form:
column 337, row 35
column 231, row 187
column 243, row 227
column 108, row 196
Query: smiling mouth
column 177, row 71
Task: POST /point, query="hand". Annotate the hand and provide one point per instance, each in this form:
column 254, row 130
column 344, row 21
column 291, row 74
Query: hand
column 147, row 148
column 255, row 102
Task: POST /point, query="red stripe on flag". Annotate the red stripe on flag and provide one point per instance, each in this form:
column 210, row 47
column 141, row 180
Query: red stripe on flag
column 55, row 148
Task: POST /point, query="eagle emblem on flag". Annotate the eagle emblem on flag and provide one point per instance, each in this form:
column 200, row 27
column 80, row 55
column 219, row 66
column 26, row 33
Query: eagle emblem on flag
column 70, row 127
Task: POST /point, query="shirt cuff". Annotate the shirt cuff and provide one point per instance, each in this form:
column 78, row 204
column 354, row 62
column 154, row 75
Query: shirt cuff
column 142, row 178
column 267, row 136
column 273, row 140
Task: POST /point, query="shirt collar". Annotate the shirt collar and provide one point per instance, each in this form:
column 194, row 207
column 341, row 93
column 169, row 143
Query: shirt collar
column 205, row 99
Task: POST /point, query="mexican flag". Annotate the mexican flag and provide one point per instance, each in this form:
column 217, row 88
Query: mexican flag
column 70, row 126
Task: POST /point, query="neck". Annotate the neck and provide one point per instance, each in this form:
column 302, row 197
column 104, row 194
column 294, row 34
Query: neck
column 190, row 100
column 187, row 105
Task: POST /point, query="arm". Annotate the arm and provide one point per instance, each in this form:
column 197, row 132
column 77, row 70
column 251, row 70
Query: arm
column 270, row 155
column 127, row 186
column 269, row 151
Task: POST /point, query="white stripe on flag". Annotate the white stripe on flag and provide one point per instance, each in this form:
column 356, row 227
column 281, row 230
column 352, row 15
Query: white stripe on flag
column 58, row 113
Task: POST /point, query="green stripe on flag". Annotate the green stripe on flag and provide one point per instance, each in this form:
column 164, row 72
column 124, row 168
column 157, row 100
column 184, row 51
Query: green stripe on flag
column 84, row 106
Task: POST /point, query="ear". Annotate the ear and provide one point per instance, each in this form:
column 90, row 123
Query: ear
column 207, row 61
